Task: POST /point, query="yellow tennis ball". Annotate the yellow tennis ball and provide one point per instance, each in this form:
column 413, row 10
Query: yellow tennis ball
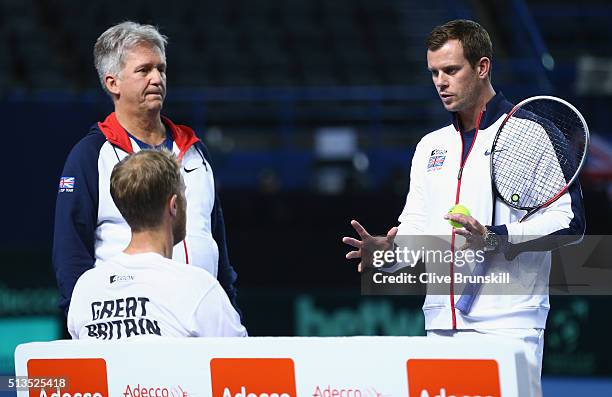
column 458, row 209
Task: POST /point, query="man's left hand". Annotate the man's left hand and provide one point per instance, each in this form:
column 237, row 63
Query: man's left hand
column 472, row 230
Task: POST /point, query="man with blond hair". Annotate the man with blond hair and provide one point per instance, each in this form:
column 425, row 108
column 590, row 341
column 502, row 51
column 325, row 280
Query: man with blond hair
column 142, row 291
column 131, row 63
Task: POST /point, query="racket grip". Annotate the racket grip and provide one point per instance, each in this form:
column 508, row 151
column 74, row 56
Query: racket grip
column 464, row 304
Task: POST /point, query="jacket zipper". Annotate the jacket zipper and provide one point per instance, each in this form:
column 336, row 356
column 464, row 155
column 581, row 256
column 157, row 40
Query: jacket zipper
column 462, row 162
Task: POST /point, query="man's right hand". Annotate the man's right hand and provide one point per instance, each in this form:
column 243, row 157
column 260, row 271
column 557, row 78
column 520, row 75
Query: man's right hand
column 368, row 244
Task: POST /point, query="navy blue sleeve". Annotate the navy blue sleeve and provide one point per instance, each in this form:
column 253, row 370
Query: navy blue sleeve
column 226, row 275
column 76, row 214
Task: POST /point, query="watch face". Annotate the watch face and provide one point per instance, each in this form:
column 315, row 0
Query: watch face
column 491, row 240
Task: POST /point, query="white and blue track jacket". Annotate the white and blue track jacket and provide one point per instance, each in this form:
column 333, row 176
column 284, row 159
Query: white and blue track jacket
column 436, row 184
column 89, row 227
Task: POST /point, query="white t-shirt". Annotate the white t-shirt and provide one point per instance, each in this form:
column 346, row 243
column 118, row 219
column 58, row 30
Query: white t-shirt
column 144, row 294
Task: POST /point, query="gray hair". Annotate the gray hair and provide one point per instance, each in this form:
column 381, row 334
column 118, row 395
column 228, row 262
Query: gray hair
column 116, row 41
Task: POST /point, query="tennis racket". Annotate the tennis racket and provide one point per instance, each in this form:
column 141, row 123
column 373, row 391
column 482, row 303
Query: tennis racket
column 537, row 154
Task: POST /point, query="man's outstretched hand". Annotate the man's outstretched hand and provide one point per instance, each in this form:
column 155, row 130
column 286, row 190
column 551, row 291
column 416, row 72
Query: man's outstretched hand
column 368, row 244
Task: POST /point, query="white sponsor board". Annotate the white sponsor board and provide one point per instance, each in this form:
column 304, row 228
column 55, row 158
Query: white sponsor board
column 273, row 367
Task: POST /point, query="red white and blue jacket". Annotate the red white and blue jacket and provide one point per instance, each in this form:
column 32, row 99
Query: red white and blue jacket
column 89, row 227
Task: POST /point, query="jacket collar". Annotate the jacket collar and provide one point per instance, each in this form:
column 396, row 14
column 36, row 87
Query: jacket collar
column 494, row 109
column 183, row 136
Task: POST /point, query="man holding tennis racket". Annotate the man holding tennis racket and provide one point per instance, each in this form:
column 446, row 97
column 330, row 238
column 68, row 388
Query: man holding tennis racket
column 497, row 160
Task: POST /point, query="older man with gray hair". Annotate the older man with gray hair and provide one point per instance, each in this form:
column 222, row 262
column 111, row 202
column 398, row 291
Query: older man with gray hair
column 130, row 60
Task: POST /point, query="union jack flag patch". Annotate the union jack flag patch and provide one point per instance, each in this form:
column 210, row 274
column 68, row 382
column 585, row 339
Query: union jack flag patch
column 66, row 184
column 436, row 160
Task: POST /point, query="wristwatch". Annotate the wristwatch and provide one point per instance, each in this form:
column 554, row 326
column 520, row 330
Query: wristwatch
column 491, row 241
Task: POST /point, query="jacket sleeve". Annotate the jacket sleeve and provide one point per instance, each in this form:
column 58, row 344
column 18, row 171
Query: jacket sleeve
column 561, row 223
column 413, row 218
column 76, row 214
column 225, row 274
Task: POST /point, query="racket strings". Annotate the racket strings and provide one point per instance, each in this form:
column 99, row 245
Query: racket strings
column 537, row 153
column 517, row 161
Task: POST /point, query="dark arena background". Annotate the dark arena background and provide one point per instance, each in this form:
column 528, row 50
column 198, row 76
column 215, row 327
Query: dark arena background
column 311, row 110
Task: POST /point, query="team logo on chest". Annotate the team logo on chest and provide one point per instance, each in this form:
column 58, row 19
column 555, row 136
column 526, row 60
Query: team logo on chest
column 436, row 159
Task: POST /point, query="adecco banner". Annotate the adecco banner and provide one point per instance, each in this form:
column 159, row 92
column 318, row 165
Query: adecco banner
column 246, row 377
column 282, row 367
column 84, row 377
column 460, row 377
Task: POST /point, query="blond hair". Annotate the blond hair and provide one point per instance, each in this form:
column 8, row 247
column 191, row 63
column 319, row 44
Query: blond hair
column 141, row 185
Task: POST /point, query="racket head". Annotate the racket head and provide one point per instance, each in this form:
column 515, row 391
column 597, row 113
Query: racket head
column 538, row 152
